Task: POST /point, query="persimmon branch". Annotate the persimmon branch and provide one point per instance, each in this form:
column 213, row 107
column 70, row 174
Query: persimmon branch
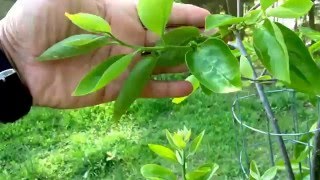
column 259, row 80
column 267, row 107
column 315, row 164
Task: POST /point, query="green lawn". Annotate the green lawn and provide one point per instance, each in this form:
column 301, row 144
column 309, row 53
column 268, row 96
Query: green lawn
column 79, row 144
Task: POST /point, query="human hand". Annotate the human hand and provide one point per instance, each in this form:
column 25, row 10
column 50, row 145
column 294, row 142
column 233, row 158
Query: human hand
column 33, row 26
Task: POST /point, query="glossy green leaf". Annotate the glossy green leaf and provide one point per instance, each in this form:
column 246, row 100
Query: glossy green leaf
column 180, row 35
column 90, row 81
column 90, row 22
column 303, row 155
column 157, row 172
column 264, row 77
column 291, row 9
column 265, row 4
column 195, row 84
column 196, row 143
column 133, row 86
column 154, row 14
column 113, row 71
column 274, row 53
column 301, row 149
column 186, row 134
column 218, row 20
column 163, row 152
column 179, row 158
column 295, row 166
column 205, row 90
column 270, row 174
column 170, row 139
column 314, row 47
column 253, row 17
column 254, row 171
column 304, row 72
column 178, row 141
column 214, row 169
column 85, row 39
column 74, row 46
column 246, row 70
column 200, row 173
column 214, row 65
column 310, row 33
column 172, row 57
column 245, row 67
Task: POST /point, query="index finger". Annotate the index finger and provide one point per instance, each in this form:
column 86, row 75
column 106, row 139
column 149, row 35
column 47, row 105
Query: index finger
column 187, row 15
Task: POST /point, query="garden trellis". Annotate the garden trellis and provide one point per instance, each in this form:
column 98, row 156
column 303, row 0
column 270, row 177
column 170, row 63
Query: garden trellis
column 301, row 143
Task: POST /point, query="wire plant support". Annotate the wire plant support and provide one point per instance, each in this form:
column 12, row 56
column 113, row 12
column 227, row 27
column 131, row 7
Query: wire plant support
column 283, row 156
column 252, row 141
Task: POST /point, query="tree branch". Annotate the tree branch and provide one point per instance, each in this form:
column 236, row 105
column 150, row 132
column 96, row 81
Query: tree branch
column 267, row 107
column 315, row 164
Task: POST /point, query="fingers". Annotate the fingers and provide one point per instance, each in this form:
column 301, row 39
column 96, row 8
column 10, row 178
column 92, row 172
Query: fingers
column 186, row 14
column 167, row 89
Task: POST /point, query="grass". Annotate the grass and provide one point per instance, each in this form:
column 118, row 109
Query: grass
column 85, row 144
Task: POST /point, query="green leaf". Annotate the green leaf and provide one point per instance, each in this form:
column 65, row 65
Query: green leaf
column 295, row 166
column 301, row 150
column 180, row 35
column 266, row 3
column 157, row 172
column 90, row 81
column 195, row 84
column 113, row 72
column 90, row 22
column 291, row 9
column 254, row 171
column 170, row 139
column 177, row 37
column 264, row 77
column 253, row 17
column 133, row 86
column 218, row 20
column 205, row 90
column 154, row 14
column 186, row 134
column 172, row 57
column 245, row 67
column 178, row 141
column 304, row 72
column 214, row 168
column 214, row 65
column 246, row 70
column 204, row 172
column 314, row 47
column 74, row 46
column 199, row 173
column 196, row 143
column 274, row 53
column 269, row 174
column 163, row 151
column 179, row 158
column 310, row 33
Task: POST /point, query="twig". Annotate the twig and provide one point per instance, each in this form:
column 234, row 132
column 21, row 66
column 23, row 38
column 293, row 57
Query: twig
column 267, row 107
column 259, row 80
column 315, row 164
column 255, row 7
